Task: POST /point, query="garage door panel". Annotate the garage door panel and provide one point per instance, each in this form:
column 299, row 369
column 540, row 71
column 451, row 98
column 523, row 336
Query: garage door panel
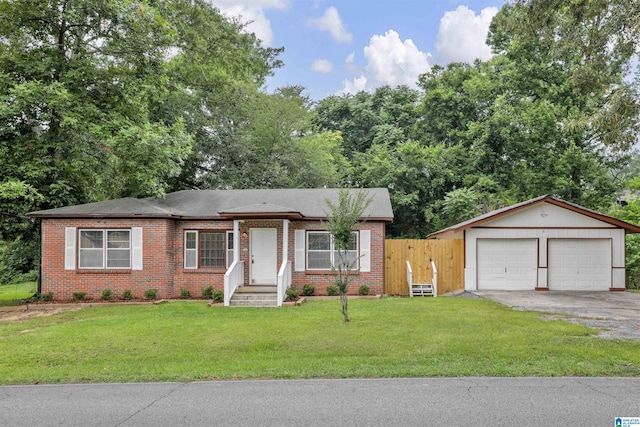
column 508, row 264
column 580, row 264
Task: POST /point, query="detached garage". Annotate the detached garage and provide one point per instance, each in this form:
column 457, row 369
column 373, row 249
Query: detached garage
column 543, row 244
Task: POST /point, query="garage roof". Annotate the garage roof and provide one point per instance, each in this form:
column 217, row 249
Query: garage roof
column 479, row 220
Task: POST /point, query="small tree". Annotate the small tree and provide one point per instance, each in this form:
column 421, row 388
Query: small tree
column 342, row 221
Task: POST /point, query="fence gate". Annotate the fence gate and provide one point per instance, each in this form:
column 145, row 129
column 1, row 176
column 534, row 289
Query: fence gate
column 448, row 255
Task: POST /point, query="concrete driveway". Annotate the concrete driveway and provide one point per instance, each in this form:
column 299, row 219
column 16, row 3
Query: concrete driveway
column 616, row 314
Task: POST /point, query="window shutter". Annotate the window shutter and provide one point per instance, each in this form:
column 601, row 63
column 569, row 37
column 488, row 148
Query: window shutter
column 136, row 248
column 70, row 248
column 300, row 250
column 365, row 251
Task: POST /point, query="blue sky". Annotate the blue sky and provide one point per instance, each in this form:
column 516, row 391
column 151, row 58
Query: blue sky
column 343, row 46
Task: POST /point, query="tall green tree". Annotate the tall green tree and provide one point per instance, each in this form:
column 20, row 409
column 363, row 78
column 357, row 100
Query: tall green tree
column 597, row 41
column 103, row 99
column 387, row 115
column 270, row 145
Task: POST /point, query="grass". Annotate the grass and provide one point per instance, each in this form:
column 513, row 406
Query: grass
column 10, row 294
column 391, row 337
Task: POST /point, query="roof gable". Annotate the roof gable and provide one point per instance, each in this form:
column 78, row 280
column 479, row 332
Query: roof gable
column 534, row 213
column 546, row 215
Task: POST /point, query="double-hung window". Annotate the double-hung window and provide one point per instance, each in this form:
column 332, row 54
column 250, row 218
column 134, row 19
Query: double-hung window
column 101, row 249
column 203, row 249
column 322, row 252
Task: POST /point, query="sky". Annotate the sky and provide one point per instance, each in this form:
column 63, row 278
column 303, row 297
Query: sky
column 335, row 47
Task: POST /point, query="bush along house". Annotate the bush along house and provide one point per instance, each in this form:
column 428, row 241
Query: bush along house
column 232, row 240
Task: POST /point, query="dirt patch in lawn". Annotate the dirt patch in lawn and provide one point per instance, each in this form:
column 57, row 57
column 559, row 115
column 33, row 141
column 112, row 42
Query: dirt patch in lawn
column 14, row 314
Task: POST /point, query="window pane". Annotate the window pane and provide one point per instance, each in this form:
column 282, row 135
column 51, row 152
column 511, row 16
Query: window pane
column 353, row 246
column 91, row 239
column 352, row 256
column 190, row 240
column 319, row 241
column 319, row 260
column 212, row 250
column 91, row 258
column 118, row 239
column 118, row 258
column 191, row 259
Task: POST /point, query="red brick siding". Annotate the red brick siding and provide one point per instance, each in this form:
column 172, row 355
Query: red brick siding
column 197, row 279
column 63, row 283
column 163, row 259
column 321, row 279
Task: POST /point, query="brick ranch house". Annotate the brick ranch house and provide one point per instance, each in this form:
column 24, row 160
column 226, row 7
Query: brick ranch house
column 228, row 239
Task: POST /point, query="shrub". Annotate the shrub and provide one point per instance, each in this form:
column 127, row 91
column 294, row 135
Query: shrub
column 293, row 294
column 127, row 295
column 78, row 296
column 217, row 296
column 364, row 290
column 184, row 293
column 106, row 295
column 48, row 297
column 151, row 293
column 332, row 291
column 308, row 290
column 207, row 293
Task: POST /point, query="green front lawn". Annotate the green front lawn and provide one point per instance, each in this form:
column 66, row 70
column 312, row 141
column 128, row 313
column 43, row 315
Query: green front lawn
column 391, row 337
column 16, row 292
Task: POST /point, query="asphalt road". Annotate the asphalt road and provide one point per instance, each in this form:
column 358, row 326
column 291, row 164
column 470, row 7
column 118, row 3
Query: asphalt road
column 380, row 402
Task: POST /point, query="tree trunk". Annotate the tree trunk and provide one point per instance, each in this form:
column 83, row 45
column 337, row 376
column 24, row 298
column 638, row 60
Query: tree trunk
column 343, row 300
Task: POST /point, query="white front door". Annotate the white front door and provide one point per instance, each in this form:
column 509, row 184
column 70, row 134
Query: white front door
column 264, row 256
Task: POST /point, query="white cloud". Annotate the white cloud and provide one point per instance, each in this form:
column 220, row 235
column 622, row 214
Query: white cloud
column 390, row 61
column 462, row 35
column 353, row 86
column 350, row 65
column 322, row 66
column 331, row 23
column 253, row 12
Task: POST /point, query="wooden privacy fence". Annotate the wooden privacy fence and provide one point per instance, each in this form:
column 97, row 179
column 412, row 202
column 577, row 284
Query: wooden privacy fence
column 448, row 256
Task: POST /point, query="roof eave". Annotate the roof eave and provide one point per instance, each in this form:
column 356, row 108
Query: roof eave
column 261, row 215
column 100, row 216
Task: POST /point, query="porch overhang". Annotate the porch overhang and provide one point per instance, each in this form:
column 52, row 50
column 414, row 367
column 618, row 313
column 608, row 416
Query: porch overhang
column 261, row 211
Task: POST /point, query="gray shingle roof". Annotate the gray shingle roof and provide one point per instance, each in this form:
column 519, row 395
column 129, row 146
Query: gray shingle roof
column 309, row 203
column 630, row 228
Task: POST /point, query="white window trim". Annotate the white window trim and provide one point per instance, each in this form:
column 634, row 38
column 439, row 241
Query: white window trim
column 192, row 249
column 104, row 249
column 332, row 250
column 227, row 251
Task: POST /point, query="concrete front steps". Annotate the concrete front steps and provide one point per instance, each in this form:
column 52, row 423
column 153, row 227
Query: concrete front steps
column 255, row 296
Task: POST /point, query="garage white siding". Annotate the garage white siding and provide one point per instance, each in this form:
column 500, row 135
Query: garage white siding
column 579, row 264
column 507, row 264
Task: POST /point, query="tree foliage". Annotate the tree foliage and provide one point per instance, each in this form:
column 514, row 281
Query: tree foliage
column 136, row 98
column 107, row 99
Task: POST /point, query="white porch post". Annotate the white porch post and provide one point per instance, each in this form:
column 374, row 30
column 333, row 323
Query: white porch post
column 236, row 240
column 285, row 240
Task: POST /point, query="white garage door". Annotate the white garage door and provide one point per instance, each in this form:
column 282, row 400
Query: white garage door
column 580, row 264
column 508, row 264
